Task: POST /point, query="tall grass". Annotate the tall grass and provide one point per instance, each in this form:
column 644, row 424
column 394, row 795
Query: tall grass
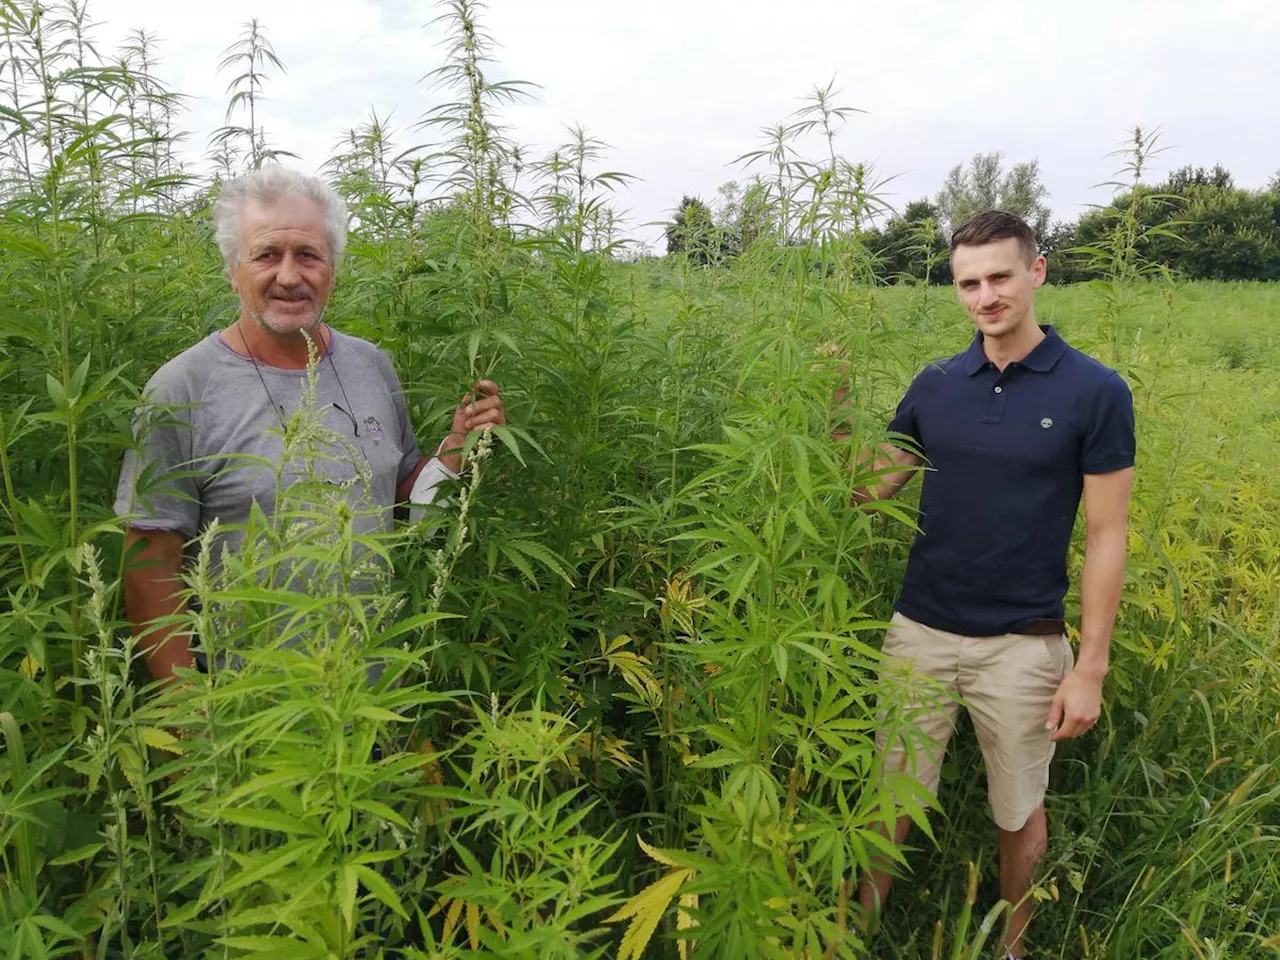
column 625, row 671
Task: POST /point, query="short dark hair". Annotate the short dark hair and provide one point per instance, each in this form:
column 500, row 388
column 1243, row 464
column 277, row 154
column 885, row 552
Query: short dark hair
column 992, row 225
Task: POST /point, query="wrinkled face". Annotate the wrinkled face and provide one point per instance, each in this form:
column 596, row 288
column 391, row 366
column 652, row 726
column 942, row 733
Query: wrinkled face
column 997, row 285
column 283, row 272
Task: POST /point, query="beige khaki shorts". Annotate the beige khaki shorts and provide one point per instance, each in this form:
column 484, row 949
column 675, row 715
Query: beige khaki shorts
column 1006, row 682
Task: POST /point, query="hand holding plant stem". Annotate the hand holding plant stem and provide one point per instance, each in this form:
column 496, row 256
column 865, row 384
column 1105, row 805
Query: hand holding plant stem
column 472, row 415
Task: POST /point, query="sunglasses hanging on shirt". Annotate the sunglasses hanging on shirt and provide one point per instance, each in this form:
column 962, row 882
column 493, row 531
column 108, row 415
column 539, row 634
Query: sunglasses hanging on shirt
column 279, row 408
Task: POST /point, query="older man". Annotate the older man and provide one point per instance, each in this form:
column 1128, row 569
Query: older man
column 282, row 235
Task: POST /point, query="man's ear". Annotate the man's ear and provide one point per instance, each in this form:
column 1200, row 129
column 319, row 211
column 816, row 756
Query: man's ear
column 1038, row 267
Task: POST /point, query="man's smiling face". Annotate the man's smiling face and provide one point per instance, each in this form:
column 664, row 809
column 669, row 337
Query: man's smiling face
column 284, row 270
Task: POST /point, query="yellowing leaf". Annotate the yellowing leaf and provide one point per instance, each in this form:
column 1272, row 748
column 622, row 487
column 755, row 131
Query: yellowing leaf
column 645, row 910
column 685, row 921
column 1076, row 879
column 621, row 640
column 655, row 854
column 634, row 670
column 473, row 925
column 159, row 739
column 30, row 666
column 131, row 766
column 451, row 918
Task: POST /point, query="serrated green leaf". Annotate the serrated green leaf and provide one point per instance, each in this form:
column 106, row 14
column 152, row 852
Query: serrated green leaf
column 378, row 886
column 75, row 856
column 267, row 820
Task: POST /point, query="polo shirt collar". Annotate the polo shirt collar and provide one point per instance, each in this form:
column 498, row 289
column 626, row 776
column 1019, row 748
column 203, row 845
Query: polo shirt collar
column 1042, row 359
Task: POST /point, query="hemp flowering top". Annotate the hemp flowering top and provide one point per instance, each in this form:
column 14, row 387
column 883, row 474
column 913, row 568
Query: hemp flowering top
column 1006, row 453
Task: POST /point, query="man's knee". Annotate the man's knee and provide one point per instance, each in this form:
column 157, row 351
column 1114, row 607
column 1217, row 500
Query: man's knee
column 1032, row 838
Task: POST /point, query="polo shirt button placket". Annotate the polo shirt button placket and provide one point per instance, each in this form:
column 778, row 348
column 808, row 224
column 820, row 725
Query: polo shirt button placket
column 995, row 405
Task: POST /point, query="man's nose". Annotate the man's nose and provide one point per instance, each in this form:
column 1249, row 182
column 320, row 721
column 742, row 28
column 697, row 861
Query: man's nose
column 987, row 295
column 287, row 274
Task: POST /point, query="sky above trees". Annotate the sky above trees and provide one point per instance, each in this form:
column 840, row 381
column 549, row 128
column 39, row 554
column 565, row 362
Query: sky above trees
column 680, row 89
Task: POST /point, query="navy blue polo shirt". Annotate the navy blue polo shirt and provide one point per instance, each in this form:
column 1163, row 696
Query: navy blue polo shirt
column 1007, row 452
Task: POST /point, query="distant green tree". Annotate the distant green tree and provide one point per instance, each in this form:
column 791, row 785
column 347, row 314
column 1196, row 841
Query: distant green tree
column 1227, row 234
column 745, row 214
column 1056, row 244
column 1183, row 180
column 911, row 246
column 1223, row 232
column 984, row 184
column 693, row 232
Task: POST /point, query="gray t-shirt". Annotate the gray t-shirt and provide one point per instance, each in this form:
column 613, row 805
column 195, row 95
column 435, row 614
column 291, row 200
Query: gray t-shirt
column 194, row 467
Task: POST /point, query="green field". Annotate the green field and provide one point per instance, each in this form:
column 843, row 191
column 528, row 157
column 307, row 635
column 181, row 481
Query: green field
column 632, row 661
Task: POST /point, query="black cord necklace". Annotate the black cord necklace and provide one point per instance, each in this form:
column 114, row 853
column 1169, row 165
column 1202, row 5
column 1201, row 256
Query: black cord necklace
column 279, row 409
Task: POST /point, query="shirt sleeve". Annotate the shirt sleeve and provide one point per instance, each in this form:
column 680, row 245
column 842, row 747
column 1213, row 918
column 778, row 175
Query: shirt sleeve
column 159, row 486
column 1109, row 442
column 906, row 422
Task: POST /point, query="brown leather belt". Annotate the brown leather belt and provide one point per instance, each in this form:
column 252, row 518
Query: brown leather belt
column 1045, row 627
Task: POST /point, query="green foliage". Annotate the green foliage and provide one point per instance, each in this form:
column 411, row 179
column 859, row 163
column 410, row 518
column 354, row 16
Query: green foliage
column 912, row 246
column 693, row 232
column 252, row 54
column 625, row 675
column 984, row 184
column 1222, row 232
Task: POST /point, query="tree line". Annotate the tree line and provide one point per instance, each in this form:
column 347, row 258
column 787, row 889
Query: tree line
column 1197, row 224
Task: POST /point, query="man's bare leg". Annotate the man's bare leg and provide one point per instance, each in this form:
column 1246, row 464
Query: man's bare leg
column 1020, row 851
column 874, row 889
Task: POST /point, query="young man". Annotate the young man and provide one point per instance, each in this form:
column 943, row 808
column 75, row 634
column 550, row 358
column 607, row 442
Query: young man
column 1014, row 429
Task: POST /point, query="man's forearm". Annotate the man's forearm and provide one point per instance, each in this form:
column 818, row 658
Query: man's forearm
column 152, row 597
column 450, row 452
column 165, row 648
column 1101, row 585
column 893, row 467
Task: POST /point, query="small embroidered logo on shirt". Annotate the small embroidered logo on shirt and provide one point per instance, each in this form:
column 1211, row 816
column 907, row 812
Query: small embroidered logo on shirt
column 374, row 426
column 1046, row 423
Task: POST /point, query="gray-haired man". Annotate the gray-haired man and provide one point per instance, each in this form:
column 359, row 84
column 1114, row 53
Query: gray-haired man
column 281, row 234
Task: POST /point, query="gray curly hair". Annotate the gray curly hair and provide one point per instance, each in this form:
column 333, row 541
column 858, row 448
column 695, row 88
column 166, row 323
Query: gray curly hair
column 267, row 185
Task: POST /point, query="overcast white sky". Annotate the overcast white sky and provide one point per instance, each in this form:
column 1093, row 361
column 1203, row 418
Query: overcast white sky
column 679, row 88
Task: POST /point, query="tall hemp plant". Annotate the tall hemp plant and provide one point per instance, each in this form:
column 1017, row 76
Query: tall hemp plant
column 252, row 55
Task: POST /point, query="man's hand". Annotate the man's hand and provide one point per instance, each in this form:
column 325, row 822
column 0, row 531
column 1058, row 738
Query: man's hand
column 472, row 414
column 1076, row 706
column 480, row 414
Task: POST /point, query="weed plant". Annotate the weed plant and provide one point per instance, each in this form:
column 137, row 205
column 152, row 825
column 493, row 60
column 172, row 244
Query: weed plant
column 613, row 697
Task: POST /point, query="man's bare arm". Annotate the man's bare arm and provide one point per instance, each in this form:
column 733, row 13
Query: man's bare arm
column 1106, row 513
column 1078, row 702
column 152, row 592
column 893, row 468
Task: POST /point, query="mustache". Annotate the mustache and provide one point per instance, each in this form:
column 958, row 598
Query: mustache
column 301, row 292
